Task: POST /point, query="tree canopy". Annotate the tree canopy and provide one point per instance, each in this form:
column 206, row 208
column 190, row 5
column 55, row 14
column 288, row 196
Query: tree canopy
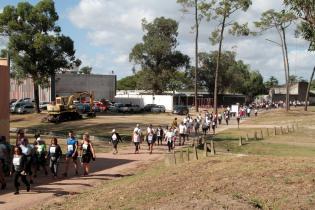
column 36, row 46
column 157, row 54
column 235, row 76
column 85, row 70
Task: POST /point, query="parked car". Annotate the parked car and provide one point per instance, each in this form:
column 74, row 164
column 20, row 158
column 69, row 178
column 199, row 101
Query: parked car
column 158, row 108
column 115, row 107
column 181, row 110
column 15, row 106
column 43, row 105
column 12, row 101
column 99, row 106
column 27, row 108
column 135, row 108
column 148, row 107
column 125, row 108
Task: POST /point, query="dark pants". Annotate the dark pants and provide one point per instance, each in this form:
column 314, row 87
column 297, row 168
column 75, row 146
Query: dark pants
column 159, row 139
column 137, row 146
column 53, row 165
column 170, row 145
column 16, row 180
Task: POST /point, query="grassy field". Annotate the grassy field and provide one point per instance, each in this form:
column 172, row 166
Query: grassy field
column 276, row 172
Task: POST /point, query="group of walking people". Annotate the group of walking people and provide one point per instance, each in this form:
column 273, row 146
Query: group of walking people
column 25, row 159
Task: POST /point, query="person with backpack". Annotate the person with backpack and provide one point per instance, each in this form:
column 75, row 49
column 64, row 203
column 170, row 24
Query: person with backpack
column 54, row 154
column 87, row 153
column 115, row 139
column 19, row 168
column 72, row 153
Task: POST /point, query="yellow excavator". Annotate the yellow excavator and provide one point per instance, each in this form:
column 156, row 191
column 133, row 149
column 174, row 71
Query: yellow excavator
column 64, row 108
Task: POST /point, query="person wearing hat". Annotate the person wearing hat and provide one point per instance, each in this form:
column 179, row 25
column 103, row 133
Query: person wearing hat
column 20, row 138
column 115, row 138
column 136, row 138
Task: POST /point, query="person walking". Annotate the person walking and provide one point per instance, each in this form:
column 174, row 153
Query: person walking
column 54, row 154
column 169, row 135
column 182, row 133
column 115, row 139
column 159, row 134
column 136, row 138
column 20, row 170
column 87, row 153
column 72, row 154
column 40, row 154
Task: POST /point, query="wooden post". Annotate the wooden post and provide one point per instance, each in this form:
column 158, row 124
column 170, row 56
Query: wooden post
column 182, row 155
column 205, row 149
column 240, row 143
column 196, row 152
column 288, row 129
column 174, row 155
column 275, row 131
column 212, row 147
column 281, row 130
column 293, row 128
column 255, row 135
column 268, row 132
column 247, row 139
column 187, row 153
column 261, row 134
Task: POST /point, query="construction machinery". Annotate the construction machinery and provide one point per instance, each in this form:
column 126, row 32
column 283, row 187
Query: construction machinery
column 64, row 109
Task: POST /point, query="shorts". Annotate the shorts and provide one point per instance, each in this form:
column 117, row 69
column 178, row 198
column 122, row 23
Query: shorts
column 69, row 155
column 115, row 143
column 182, row 135
column 86, row 158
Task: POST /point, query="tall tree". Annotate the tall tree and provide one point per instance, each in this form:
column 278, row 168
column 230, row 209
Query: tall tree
column 194, row 4
column 272, row 82
column 279, row 21
column 157, row 54
column 85, row 70
column 222, row 10
column 36, row 45
column 305, row 10
column 235, row 76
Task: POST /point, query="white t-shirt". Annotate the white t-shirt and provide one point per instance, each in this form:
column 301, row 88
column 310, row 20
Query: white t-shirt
column 169, row 135
column 182, row 129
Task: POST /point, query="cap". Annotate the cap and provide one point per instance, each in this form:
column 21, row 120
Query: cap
column 113, row 131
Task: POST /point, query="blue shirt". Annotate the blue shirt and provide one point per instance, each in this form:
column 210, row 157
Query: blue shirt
column 71, row 145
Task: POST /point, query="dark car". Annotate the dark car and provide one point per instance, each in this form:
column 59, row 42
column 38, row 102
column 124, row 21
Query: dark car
column 148, row 107
column 181, row 110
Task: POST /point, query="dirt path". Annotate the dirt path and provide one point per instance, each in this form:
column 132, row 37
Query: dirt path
column 106, row 167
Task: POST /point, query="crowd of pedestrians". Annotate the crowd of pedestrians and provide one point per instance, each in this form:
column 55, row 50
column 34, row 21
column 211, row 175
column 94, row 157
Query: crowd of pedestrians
column 24, row 159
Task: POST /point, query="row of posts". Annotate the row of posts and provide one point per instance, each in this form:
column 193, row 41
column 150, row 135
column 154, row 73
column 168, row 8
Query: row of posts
column 209, row 147
column 275, row 131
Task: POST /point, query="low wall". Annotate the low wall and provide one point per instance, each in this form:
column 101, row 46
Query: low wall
column 142, row 100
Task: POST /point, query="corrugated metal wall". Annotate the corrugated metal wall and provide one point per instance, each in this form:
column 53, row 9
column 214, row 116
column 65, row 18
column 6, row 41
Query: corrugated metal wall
column 25, row 89
column 4, row 98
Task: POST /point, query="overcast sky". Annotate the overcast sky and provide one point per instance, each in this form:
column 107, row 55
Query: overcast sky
column 104, row 32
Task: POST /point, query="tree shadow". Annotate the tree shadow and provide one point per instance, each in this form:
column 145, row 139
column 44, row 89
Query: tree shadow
column 99, row 165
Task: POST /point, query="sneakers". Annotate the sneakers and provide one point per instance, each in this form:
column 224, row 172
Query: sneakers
column 28, row 188
column 16, row 192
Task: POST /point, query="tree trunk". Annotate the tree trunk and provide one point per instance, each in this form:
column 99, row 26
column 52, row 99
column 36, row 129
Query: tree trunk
column 308, row 89
column 215, row 95
column 288, row 70
column 196, row 54
column 36, row 97
column 285, row 68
